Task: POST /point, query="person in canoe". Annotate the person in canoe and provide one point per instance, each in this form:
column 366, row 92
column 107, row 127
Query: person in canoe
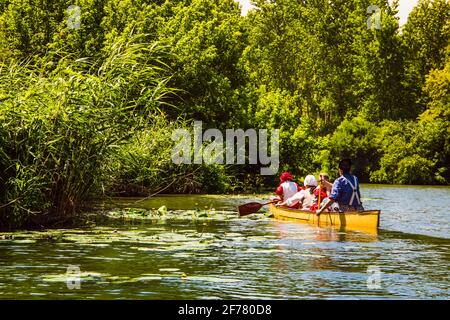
column 325, row 183
column 321, row 192
column 287, row 187
column 345, row 191
column 303, row 199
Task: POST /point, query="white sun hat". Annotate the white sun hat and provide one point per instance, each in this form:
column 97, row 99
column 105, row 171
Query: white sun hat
column 310, row 180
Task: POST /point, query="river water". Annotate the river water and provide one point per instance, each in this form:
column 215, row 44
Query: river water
column 200, row 249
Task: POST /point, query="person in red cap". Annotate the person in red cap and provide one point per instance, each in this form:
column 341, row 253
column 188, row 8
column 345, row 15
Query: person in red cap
column 287, row 188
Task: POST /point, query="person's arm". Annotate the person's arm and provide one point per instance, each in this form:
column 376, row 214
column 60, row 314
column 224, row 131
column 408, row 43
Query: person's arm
column 328, row 185
column 292, row 200
column 279, row 191
column 284, row 204
column 279, row 204
column 335, row 192
column 325, row 207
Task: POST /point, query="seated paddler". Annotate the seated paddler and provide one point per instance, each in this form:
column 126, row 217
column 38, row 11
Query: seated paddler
column 287, row 187
column 345, row 191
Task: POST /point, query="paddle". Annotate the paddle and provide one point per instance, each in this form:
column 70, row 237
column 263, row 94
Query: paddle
column 320, row 193
column 252, row 207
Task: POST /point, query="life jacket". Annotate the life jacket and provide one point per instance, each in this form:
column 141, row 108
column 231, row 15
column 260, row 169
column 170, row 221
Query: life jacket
column 354, row 187
column 322, row 191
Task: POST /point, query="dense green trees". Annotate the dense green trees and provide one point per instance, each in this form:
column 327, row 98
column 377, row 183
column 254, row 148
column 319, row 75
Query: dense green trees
column 207, row 39
column 426, row 36
column 319, row 63
column 88, row 110
column 324, row 54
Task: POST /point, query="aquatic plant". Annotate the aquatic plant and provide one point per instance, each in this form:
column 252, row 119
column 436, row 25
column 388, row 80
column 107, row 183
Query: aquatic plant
column 59, row 129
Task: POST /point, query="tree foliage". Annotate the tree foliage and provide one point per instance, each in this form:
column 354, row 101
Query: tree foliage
column 88, row 110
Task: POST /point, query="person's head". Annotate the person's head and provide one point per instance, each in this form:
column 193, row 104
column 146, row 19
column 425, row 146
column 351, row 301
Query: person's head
column 286, row 176
column 310, row 181
column 324, row 176
column 345, row 166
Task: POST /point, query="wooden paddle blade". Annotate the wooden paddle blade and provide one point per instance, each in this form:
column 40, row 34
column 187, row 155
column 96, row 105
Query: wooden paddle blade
column 249, row 208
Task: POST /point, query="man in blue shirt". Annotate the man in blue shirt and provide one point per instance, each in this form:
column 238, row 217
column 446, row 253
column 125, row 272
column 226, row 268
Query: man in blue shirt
column 345, row 190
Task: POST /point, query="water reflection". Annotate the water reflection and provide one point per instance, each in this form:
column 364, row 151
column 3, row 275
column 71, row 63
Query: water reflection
column 183, row 256
column 311, row 232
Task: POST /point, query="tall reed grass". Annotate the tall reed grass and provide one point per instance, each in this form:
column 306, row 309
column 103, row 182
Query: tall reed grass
column 58, row 129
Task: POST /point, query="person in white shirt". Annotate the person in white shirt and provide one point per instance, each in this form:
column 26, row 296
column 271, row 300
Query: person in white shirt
column 304, row 198
column 287, row 187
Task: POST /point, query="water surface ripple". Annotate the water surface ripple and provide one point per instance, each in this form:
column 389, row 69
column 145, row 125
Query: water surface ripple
column 189, row 254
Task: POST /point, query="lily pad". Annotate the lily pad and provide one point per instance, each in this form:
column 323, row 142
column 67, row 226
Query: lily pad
column 147, row 278
column 24, row 241
column 212, row 279
column 162, row 210
column 84, row 276
column 169, row 269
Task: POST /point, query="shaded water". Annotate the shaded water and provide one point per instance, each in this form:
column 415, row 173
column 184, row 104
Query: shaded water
column 195, row 252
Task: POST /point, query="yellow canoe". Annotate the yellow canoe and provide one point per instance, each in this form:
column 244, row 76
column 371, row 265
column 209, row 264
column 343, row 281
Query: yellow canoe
column 357, row 220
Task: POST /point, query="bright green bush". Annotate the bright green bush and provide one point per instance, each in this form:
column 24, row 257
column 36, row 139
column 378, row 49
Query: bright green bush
column 87, row 110
column 144, row 166
column 58, row 130
column 356, row 139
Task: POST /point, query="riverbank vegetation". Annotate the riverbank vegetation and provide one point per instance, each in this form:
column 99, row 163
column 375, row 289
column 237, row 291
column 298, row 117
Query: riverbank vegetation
column 89, row 111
